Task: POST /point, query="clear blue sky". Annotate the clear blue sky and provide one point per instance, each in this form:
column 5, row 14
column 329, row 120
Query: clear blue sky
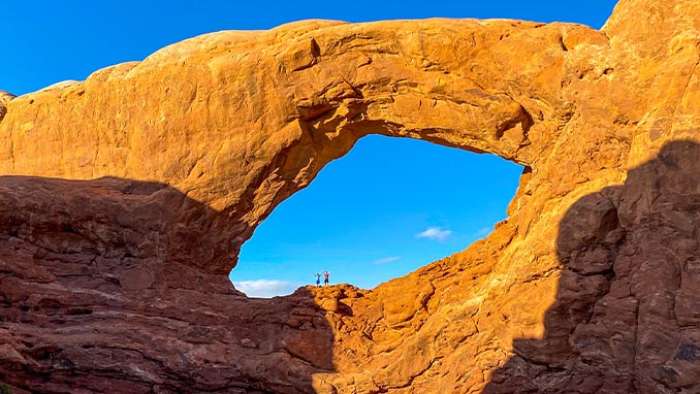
column 362, row 217
column 388, row 207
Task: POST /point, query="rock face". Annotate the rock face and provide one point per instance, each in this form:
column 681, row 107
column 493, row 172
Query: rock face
column 125, row 199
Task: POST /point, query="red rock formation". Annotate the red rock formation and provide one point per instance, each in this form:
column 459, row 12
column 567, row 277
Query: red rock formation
column 126, row 198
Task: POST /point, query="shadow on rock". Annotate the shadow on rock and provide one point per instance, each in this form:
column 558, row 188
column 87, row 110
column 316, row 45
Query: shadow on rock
column 627, row 314
column 105, row 288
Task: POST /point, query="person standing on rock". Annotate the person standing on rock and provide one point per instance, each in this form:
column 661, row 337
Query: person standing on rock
column 326, row 278
column 318, row 280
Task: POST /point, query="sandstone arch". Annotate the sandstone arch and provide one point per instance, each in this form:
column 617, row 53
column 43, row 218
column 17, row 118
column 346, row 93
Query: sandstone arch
column 205, row 137
column 253, row 127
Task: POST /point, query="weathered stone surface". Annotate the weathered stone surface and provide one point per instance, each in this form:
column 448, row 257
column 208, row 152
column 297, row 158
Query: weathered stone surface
column 5, row 98
column 126, row 198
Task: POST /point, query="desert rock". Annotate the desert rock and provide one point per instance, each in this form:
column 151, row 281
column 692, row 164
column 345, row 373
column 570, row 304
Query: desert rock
column 124, row 201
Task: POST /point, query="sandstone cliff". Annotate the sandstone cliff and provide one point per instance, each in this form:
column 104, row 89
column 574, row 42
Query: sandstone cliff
column 125, row 199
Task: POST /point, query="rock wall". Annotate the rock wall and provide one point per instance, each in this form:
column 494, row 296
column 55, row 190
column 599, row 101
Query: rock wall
column 125, row 200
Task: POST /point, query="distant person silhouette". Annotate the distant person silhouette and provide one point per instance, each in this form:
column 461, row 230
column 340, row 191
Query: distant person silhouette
column 318, row 280
column 326, row 278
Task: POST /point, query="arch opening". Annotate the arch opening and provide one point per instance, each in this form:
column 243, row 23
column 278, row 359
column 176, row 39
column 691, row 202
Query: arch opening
column 383, row 210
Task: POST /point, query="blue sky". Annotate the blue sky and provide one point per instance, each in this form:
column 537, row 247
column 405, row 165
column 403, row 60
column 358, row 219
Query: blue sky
column 388, row 207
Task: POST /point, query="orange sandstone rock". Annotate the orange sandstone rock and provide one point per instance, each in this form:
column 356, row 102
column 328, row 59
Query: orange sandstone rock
column 125, row 199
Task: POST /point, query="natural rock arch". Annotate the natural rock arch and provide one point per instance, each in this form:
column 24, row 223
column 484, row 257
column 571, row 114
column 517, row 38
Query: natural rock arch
column 240, row 133
column 174, row 160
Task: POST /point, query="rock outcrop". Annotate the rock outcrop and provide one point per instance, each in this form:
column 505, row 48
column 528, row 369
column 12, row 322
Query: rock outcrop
column 125, row 199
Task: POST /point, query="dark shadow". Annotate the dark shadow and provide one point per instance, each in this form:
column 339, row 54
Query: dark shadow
column 627, row 314
column 106, row 286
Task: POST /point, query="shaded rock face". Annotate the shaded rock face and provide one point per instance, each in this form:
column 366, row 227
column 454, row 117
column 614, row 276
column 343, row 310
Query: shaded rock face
column 625, row 315
column 124, row 201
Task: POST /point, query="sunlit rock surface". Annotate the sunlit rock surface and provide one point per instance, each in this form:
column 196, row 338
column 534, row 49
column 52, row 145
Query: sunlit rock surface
column 125, row 199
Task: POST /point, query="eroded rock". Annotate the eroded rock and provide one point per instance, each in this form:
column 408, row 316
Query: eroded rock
column 125, row 200
column 5, row 98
